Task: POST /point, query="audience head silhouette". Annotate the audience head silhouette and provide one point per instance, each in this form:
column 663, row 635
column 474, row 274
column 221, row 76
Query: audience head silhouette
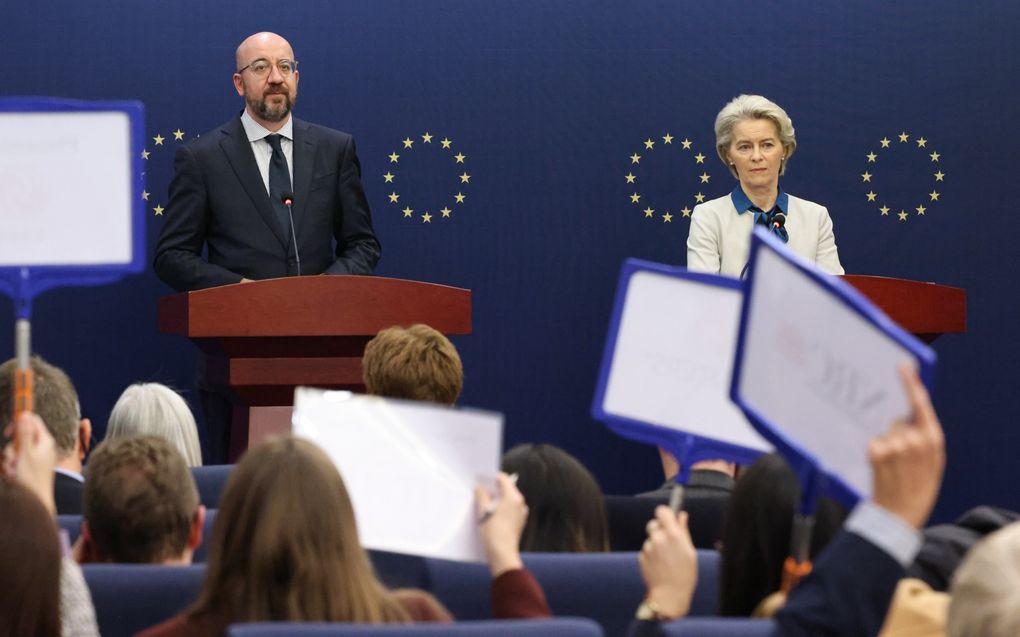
column 413, row 363
column 157, row 410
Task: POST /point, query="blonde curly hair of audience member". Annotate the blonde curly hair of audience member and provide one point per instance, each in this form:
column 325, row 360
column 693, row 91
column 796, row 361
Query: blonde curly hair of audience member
column 285, row 545
column 414, row 363
column 156, row 410
column 985, row 593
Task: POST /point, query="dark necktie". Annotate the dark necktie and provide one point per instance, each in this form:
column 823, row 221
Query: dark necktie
column 279, row 182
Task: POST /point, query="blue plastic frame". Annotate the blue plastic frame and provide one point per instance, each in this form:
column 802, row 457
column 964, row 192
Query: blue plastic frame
column 24, row 283
column 688, row 448
column 815, row 480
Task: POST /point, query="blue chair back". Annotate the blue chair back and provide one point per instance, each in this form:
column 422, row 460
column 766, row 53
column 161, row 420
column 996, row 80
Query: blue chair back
column 71, row 524
column 202, row 552
column 132, row 597
column 210, row 481
column 719, row 627
column 561, row 627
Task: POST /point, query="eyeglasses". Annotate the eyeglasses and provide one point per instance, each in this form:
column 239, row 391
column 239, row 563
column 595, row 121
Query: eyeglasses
column 261, row 67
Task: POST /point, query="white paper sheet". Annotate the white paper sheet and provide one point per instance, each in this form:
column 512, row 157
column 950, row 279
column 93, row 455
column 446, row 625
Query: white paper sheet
column 674, row 358
column 818, row 371
column 66, row 181
column 410, row 468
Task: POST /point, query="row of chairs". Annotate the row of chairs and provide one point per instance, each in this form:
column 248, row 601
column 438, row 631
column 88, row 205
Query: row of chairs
column 603, row 587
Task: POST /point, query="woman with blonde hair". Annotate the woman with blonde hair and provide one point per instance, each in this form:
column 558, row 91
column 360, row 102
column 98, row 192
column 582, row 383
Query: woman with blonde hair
column 156, row 410
column 285, row 547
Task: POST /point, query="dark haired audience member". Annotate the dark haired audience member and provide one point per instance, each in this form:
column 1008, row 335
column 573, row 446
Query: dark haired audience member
column 141, row 504
column 277, row 557
column 56, row 402
column 413, row 363
column 567, row 510
column 757, row 531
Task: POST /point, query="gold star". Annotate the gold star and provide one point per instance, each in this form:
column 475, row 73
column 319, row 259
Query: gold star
column 145, row 195
column 388, row 177
column 920, row 210
column 704, row 178
column 635, row 159
column 699, row 158
column 904, row 137
column 445, row 142
column 408, row 212
column 872, row 157
column 460, row 157
column 459, row 197
column 939, row 175
column 934, row 195
column 158, row 210
column 872, row 195
column 934, row 156
column 667, row 218
column 649, row 211
column 465, row 178
column 630, row 177
column 394, row 157
column 426, row 218
column 408, row 142
column 158, row 139
column 902, row 216
column 145, row 154
column 635, row 198
column 921, row 142
column 866, row 176
column 885, row 211
column 699, row 197
column 446, row 211
column 394, row 196
column 686, row 143
column 885, row 142
column 685, row 211
column 649, row 143
column 427, row 137
column 178, row 134
column 667, row 139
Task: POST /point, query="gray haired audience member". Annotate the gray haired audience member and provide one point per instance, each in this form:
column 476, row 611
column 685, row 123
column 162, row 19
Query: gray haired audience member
column 986, row 588
column 157, row 410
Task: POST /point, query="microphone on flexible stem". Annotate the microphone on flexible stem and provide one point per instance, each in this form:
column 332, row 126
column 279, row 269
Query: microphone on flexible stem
column 288, row 200
column 778, row 221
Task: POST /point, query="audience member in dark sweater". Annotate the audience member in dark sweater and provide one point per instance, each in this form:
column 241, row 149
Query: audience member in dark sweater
column 414, row 363
column 56, row 402
column 757, row 531
column 567, row 510
column 141, row 504
column 848, row 592
column 285, row 547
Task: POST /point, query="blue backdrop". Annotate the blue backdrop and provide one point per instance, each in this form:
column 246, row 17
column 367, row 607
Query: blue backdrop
column 564, row 112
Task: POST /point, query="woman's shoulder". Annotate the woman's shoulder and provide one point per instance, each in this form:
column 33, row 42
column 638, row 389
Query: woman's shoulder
column 804, row 205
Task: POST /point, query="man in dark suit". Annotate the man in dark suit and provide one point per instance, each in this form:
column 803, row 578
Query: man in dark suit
column 56, row 403
column 228, row 195
column 228, row 187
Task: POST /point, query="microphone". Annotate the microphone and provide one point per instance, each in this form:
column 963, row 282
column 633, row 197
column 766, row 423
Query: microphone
column 287, row 198
column 778, row 221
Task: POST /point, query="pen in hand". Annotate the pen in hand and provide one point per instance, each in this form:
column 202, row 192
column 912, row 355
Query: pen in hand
column 491, row 509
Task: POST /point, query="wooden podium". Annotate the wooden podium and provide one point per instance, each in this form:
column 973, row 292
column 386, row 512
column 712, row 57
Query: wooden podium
column 926, row 310
column 263, row 339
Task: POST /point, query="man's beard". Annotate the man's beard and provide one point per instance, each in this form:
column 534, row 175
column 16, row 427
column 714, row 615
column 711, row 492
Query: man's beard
column 272, row 113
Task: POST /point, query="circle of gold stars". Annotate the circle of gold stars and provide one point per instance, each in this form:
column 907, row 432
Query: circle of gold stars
column 933, row 158
column 158, row 141
column 648, row 147
column 407, row 145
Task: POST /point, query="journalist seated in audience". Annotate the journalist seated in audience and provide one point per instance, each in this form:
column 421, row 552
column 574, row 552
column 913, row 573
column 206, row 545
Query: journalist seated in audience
column 986, row 588
column 285, row 547
column 44, row 592
column 141, row 504
column 157, row 410
column 413, row 363
column 756, row 535
column 849, row 590
column 567, row 510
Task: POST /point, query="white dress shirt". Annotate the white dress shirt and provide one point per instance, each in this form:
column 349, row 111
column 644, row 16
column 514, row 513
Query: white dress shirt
column 257, row 134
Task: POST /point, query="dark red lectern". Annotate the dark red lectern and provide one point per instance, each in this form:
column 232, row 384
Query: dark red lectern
column 926, row 310
column 263, row 339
